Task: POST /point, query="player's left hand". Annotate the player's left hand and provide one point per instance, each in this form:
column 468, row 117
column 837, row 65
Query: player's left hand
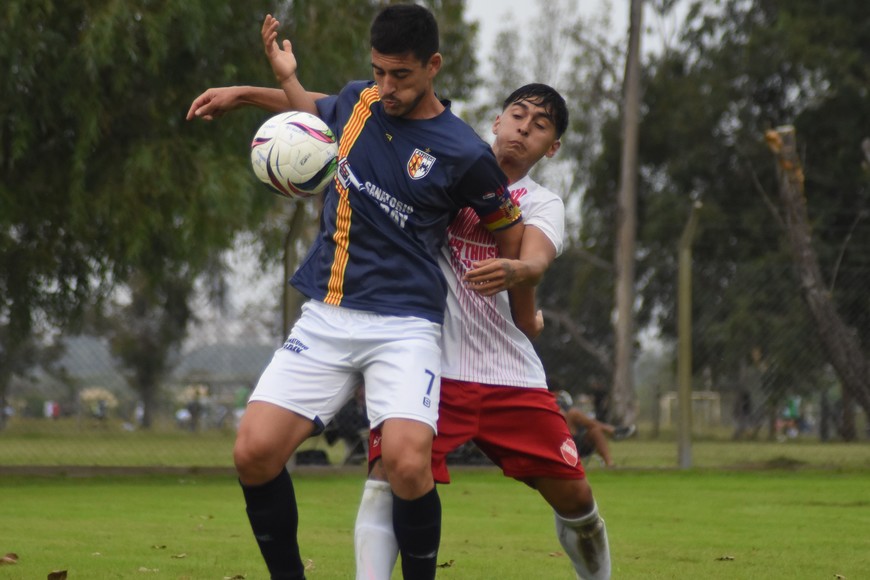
column 281, row 57
column 491, row 276
column 213, row 103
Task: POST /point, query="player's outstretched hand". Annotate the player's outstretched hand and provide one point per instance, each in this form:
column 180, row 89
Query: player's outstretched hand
column 283, row 61
column 491, row 276
column 214, row 102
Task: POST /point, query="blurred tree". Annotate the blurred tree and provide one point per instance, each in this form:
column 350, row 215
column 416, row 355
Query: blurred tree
column 577, row 54
column 104, row 185
column 102, row 180
column 743, row 67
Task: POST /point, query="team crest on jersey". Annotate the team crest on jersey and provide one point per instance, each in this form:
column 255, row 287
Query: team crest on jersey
column 419, row 164
column 569, row 452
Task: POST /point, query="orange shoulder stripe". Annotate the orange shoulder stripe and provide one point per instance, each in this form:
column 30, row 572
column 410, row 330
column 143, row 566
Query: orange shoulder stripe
column 352, row 130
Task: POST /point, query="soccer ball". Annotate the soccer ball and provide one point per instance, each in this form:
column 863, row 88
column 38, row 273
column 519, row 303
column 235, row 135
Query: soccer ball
column 295, row 154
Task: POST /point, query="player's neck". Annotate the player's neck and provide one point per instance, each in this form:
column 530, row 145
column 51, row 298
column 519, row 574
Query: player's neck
column 514, row 172
column 429, row 107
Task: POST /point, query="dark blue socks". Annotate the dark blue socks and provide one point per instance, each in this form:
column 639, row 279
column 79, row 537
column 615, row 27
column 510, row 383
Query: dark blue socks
column 274, row 519
column 417, row 524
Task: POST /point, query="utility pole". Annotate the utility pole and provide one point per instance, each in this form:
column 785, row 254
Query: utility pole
column 624, row 398
column 684, row 341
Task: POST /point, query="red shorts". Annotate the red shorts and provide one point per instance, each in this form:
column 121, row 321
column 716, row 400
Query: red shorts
column 520, row 429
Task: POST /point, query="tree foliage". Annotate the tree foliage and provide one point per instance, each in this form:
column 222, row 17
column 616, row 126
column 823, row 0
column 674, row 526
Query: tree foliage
column 103, row 181
column 104, row 185
column 743, row 67
column 576, row 54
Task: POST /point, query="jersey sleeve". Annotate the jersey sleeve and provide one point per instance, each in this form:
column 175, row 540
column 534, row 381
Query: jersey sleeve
column 326, row 109
column 548, row 216
column 484, row 187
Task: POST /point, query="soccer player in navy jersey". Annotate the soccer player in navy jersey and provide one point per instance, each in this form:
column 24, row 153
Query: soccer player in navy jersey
column 494, row 389
column 376, row 293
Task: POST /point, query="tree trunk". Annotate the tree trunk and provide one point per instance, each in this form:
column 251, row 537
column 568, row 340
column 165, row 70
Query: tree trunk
column 149, row 400
column 840, row 341
column 624, row 397
column 292, row 300
column 848, row 430
column 3, row 403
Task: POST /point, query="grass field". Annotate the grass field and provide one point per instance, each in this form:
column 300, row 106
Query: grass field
column 711, row 524
column 793, row 510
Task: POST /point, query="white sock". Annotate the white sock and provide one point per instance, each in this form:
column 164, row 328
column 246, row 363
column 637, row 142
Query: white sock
column 375, row 545
column 585, row 541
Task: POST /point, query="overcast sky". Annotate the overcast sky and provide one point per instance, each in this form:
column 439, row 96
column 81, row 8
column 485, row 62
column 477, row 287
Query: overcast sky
column 493, row 15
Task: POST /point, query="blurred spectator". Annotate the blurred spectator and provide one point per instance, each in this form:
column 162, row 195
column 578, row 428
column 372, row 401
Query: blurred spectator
column 742, row 413
column 590, row 435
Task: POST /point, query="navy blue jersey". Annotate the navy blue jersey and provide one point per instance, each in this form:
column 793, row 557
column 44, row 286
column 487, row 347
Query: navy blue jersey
column 398, row 185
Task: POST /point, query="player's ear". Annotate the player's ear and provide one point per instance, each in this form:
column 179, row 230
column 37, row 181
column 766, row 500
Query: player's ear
column 553, row 148
column 434, row 64
column 495, row 124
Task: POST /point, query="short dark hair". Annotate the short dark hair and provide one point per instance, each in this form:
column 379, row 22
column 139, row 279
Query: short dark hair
column 545, row 96
column 404, row 28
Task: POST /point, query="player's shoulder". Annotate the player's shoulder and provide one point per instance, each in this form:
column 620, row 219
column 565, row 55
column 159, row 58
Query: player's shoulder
column 358, row 85
column 456, row 143
column 460, row 134
column 353, row 89
column 527, row 190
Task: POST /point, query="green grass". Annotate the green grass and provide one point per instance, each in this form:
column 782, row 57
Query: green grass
column 711, row 524
column 69, row 443
column 766, row 510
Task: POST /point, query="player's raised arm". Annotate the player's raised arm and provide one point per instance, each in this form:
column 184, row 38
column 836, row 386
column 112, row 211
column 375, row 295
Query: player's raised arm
column 283, row 63
column 216, row 101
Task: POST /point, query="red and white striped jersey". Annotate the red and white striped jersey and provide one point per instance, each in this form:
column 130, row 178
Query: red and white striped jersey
column 480, row 342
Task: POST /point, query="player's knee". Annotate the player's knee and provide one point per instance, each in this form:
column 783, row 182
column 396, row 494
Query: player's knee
column 255, row 463
column 409, row 474
column 570, row 498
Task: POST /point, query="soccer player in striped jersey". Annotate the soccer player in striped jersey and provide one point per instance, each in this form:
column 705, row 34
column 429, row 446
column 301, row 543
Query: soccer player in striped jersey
column 376, row 294
column 494, row 389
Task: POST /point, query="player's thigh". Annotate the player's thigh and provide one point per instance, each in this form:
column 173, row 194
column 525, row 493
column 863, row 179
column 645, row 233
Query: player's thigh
column 310, row 374
column 401, row 362
column 267, row 437
column 523, row 431
column 458, row 422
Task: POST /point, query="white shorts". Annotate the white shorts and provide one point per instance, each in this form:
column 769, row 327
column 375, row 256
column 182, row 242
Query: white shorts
column 331, row 350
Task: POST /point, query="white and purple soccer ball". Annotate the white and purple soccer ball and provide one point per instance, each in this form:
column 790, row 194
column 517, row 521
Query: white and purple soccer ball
column 295, row 154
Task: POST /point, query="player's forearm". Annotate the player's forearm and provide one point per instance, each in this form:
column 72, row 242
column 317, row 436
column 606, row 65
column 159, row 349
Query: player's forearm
column 524, row 313
column 298, row 98
column 529, row 270
column 269, row 99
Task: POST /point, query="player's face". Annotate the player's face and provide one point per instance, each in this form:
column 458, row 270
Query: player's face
column 524, row 133
column 403, row 81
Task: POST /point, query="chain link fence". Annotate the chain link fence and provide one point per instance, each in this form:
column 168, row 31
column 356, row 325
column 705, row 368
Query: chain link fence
column 772, row 384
